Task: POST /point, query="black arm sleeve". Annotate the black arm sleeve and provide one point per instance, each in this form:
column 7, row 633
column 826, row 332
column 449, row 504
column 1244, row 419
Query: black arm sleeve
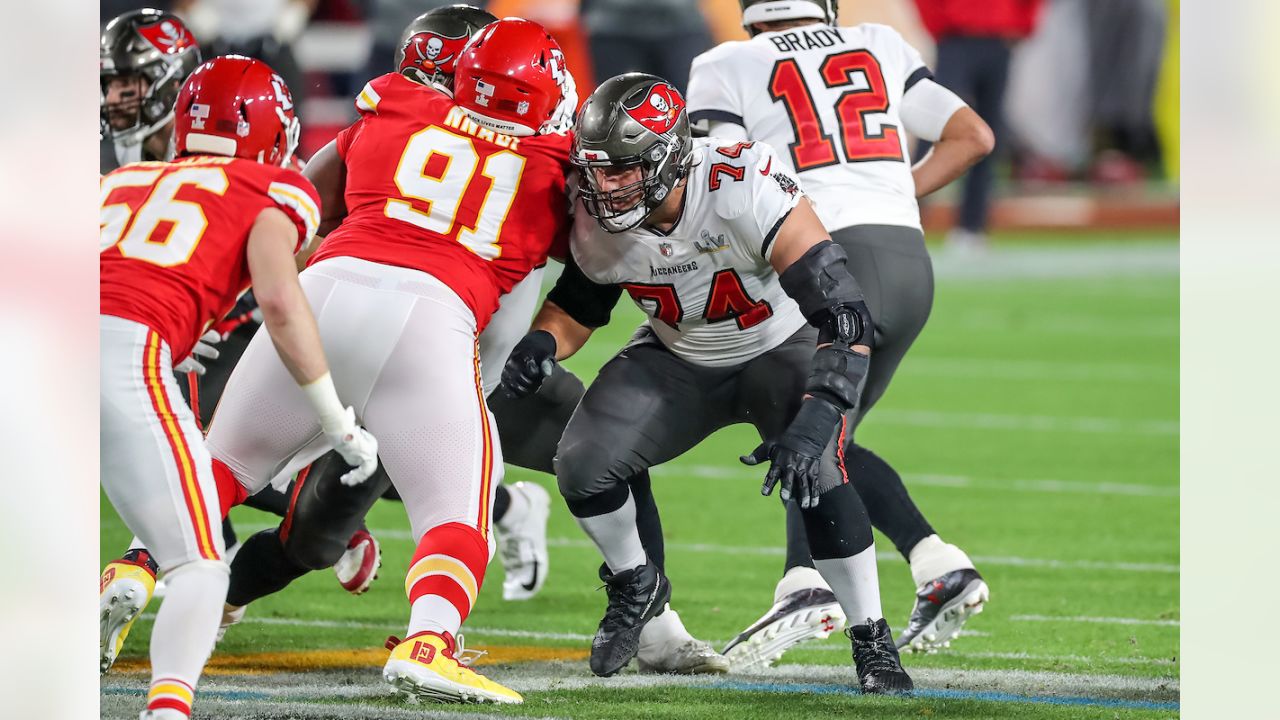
column 588, row 303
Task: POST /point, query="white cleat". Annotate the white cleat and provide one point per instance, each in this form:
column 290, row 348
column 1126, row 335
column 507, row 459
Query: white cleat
column 522, row 543
column 358, row 566
column 231, row 615
column 799, row 616
column 666, row 647
column 691, row 657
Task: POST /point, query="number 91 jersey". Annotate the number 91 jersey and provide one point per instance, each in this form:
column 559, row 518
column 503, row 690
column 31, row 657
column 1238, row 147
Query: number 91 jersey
column 712, row 296
column 430, row 190
column 829, row 100
column 174, row 236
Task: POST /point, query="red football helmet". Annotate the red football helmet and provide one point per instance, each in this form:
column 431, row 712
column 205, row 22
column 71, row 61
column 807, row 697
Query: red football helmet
column 509, row 77
column 236, row 106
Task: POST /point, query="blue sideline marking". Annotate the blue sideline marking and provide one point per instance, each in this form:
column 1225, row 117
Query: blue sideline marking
column 957, row 695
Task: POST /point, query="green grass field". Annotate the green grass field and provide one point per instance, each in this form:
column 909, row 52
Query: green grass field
column 1035, row 422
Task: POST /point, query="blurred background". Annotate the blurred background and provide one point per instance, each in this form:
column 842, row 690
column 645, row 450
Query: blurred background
column 1083, row 94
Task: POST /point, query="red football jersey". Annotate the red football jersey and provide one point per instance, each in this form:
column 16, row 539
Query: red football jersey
column 174, row 236
column 429, row 189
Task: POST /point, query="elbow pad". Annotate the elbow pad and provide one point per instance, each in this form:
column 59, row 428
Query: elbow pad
column 829, row 296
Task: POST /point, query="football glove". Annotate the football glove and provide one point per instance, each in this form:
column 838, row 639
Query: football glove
column 358, row 448
column 204, row 348
column 531, row 362
column 795, row 458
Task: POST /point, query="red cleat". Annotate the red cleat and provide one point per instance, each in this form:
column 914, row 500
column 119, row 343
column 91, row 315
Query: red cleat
column 358, row 566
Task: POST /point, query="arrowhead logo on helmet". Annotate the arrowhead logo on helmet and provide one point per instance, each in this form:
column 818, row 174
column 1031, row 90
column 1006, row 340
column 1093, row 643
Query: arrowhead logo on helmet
column 659, row 110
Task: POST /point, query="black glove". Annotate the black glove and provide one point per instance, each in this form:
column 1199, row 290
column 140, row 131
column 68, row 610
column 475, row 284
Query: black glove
column 795, row 458
column 531, row 362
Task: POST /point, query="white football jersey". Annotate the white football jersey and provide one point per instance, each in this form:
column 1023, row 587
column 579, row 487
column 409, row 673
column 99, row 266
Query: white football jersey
column 707, row 286
column 828, row 99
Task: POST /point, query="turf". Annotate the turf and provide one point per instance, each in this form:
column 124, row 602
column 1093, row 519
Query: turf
column 1035, row 422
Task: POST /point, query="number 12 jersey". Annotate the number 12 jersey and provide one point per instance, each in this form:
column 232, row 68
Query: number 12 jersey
column 828, row 99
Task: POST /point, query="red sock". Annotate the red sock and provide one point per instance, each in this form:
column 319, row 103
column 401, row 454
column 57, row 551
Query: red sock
column 449, row 564
column 230, row 491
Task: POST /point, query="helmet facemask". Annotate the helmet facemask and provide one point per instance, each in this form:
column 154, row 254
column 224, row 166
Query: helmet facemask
column 625, row 207
column 150, row 108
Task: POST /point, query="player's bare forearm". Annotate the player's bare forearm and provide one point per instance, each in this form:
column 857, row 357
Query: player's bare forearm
column 965, row 140
column 285, row 310
column 570, row 335
column 327, row 171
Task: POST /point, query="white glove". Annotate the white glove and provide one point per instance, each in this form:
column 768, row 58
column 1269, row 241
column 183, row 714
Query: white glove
column 204, row 349
column 562, row 119
column 357, row 447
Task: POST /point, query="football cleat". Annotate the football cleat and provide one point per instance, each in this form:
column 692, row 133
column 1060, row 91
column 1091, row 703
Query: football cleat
column 942, row 607
column 875, row 657
column 636, row 596
column 163, row 714
column 799, row 616
column 691, row 657
column 424, row 665
column 124, row 590
column 231, row 615
column 522, row 544
column 667, row 647
column 358, row 566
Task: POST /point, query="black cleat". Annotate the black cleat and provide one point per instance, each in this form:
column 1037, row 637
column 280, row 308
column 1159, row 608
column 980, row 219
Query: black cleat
column 636, row 596
column 807, row 614
column 876, row 660
column 942, row 607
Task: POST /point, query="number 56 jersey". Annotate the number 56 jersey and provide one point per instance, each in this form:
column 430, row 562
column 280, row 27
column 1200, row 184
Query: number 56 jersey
column 174, row 237
column 707, row 285
column 829, row 99
column 428, row 189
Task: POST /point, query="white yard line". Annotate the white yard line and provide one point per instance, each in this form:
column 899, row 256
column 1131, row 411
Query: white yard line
column 1038, row 370
column 729, row 472
column 1041, row 423
column 780, row 551
column 1095, row 620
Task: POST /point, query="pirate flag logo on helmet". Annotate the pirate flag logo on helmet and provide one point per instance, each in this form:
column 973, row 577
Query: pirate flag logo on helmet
column 659, row 110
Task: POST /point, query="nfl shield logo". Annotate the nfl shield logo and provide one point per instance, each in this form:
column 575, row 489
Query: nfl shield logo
column 666, row 249
column 523, row 107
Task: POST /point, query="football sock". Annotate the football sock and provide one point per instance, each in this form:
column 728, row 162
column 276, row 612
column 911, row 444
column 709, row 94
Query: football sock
column 445, row 577
column 616, row 535
column 855, row 584
column 186, row 625
column 798, row 578
column 798, row 554
column 501, row 503
column 142, row 558
column 891, row 508
column 260, row 568
column 649, row 522
column 662, row 631
column 844, row 551
column 931, row 559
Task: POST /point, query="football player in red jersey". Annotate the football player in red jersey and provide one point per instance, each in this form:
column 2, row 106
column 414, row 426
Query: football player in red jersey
column 180, row 242
column 402, row 287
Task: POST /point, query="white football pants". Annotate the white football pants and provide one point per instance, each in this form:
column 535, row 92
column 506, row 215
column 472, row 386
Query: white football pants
column 402, row 350
column 155, row 468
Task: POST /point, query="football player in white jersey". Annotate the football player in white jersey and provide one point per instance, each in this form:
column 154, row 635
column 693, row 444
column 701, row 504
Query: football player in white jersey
column 841, row 100
column 753, row 317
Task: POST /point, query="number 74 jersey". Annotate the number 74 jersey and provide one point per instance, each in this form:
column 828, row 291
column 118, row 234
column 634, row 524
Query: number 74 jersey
column 707, row 285
column 829, row 100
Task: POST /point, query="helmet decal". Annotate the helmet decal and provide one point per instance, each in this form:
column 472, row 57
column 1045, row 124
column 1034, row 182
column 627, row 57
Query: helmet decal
column 431, row 52
column 167, row 36
column 659, row 110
